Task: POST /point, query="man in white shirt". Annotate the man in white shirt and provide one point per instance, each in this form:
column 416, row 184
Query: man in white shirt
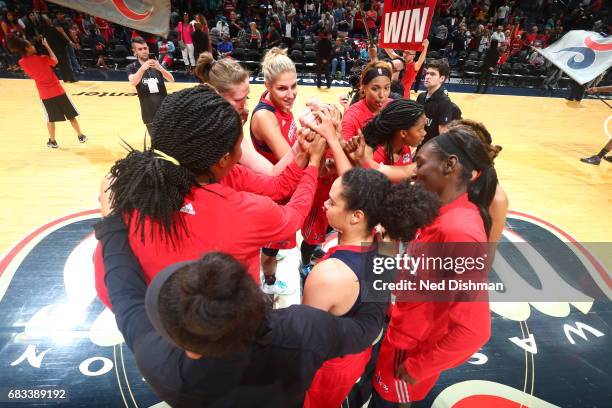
column 502, row 14
column 499, row 35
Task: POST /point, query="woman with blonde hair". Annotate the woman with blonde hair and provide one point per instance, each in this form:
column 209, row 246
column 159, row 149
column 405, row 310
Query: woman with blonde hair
column 231, row 81
column 273, row 132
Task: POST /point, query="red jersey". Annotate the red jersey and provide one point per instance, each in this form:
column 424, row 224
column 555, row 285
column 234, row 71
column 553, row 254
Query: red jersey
column 38, row 67
column 237, row 216
column 355, row 118
column 441, row 335
column 286, row 123
column 408, row 79
column 404, row 159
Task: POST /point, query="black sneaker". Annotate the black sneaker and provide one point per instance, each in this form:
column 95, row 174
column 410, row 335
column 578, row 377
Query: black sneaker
column 52, row 144
column 82, row 138
column 608, row 158
column 592, row 160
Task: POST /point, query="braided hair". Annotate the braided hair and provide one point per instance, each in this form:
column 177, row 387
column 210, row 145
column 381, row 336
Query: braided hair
column 473, row 156
column 400, row 208
column 195, row 127
column 399, row 114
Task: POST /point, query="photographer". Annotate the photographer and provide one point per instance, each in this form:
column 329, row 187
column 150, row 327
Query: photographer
column 148, row 76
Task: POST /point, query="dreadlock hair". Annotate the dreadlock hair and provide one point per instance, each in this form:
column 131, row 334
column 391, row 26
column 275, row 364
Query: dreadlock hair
column 400, row 208
column 481, row 132
column 399, row 114
column 212, row 306
column 194, row 126
column 473, row 156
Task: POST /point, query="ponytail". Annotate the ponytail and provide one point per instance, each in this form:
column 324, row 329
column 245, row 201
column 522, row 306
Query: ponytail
column 473, row 156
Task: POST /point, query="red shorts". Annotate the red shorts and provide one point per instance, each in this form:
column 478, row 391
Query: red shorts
column 391, row 388
column 335, row 379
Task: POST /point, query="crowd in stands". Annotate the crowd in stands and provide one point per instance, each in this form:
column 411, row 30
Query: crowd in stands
column 462, row 32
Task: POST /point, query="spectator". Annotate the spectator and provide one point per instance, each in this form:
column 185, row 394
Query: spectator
column 290, row 31
column 234, row 28
column 98, row 48
column 166, row 51
column 488, row 66
column 62, row 24
column 502, row 14
column 459, row 38
column 242, row 40
column 532, row 37
column 324, row 51
column 200, row 40
column 344, row 25
column 485, row 41
column 499, row 35
column 273, row 37
column 341, row 54
column 185, row 31
column 225, row 47
column 30, row 25
column 59, row 45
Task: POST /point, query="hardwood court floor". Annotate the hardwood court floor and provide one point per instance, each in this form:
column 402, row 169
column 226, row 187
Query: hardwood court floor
column 542, row 139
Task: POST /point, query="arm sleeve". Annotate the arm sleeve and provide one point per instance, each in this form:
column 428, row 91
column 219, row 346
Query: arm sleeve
column 445, row 112
column 271, row 222
column 124, row 280
column 469, row 329
column 349, row 127
column 242, row 178
column 49, row 61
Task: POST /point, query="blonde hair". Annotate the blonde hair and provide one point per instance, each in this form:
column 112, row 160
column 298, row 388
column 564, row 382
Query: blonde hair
column 276, row 62
column 223, row 75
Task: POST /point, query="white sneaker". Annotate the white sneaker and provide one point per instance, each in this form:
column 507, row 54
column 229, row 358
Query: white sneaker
column 279, row 288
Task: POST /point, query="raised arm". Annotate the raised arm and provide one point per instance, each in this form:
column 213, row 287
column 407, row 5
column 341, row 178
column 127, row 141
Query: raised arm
column 423, row 55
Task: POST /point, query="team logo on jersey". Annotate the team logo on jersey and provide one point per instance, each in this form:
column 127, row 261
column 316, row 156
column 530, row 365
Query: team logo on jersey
column 57, row 330
column 188, row 209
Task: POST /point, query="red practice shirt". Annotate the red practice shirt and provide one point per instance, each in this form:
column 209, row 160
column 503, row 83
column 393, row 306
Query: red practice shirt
column 408, row 79
column 39, row 68
column 442, row 335
column 405, row 158
column 355, row 118
column 237, row 216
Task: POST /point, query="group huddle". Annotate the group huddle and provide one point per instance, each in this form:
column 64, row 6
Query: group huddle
column 192, row 221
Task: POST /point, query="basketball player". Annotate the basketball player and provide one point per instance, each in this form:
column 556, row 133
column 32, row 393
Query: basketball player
column 204, row 335
column 375, row 87
column 596, row 158
column 273, row 131
column 438, row 106
column 231, row 80
column 399, row 128
column 426, row 338
column 57, row 105
column 187, row 195
column 148, row 76
column 358, row 201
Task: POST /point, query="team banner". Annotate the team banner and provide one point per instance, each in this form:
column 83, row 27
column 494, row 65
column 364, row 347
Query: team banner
column 583, row 55
column 405, row 23
column 150, row 16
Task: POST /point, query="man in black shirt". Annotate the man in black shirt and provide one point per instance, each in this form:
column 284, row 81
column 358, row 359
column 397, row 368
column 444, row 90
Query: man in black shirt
column 204, row 335
column 148, row 76
column 325, row 52
column 438, row 106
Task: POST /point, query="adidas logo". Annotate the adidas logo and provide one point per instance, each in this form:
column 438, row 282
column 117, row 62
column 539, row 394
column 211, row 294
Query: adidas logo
column 188, row 208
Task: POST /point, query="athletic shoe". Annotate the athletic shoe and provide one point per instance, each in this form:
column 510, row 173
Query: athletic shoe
column 592, row 160
column 608, row 158
column 317, row 254
column 279, row 288
column 82, row 138
column 305, row 269
column 52, row 144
